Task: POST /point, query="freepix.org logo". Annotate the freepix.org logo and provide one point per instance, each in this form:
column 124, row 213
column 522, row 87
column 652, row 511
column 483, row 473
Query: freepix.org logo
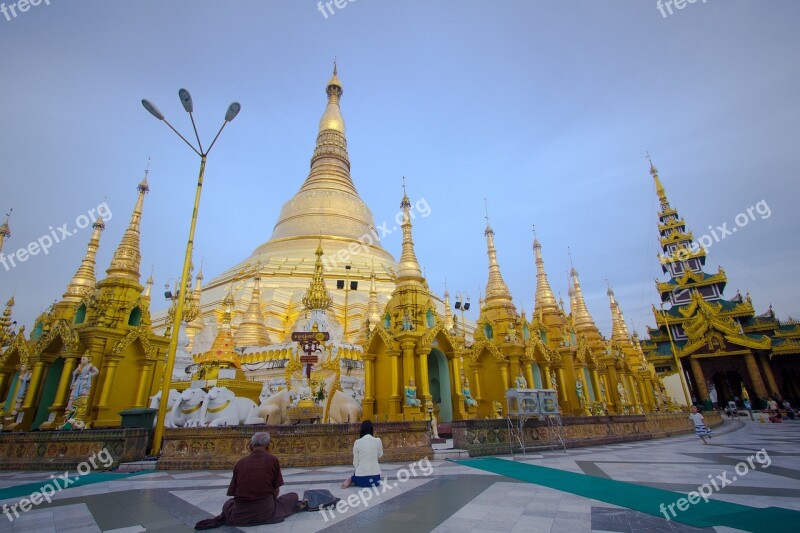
column 55, row 236
column 12, row 10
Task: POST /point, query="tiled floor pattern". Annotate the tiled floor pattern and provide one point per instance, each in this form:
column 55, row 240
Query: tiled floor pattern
column 453, row 497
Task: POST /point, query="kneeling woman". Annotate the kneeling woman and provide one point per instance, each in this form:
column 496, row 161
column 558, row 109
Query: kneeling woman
column 366, row 452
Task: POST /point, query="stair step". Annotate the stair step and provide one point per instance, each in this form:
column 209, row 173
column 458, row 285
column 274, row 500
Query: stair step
column 137, row 466
column 450, row 453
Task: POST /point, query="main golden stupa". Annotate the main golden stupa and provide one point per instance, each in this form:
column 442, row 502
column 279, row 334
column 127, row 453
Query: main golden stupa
column 326, row 209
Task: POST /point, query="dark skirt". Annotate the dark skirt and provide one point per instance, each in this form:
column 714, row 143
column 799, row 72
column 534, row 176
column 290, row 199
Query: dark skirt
column 366, row 481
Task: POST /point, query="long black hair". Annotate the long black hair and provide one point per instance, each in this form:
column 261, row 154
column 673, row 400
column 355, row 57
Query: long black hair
column 366, row 428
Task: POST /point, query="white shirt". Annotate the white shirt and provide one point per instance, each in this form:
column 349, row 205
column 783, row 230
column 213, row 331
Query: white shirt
column 698, row 419
column 366, row 452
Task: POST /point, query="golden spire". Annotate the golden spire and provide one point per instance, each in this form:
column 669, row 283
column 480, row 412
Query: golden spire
column 619, row 330
column 448, row 314
column 328, row 198
column 662, row 195
column 84, row 280
column 148, row 288
column 409, row 269
column 496, row 288
column 332, row 118
column 227, row 309
column 545, row 299
column 194, row 319
column 252, row 331
column 317, row 296
column 5, row 231
column 373, row 307
column 125, row 264
column 581, row 319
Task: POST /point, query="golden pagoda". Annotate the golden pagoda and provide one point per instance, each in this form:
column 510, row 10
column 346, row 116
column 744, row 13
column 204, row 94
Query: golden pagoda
column 105, row 325
column 724, row 346
column 327, row 207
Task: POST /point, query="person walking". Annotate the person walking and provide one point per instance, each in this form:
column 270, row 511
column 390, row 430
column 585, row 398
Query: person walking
column 748, row 407
column 700, row 427
column 366, row 452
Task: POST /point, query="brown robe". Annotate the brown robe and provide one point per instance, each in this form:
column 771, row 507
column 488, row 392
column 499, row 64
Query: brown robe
column 255, row 482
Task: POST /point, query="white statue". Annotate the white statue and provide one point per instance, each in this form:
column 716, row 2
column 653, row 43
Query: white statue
column 411, row 394
column 82, row 380
column 222, row 407
column 155, row 403
column 520, row 382
column 434, row 424
column 186, row 411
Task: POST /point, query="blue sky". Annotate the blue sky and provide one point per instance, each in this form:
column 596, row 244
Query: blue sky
column 544, row 108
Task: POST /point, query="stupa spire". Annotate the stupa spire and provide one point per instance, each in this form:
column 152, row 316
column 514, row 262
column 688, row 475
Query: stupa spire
column 448, row 313
column 409, row 270
column 662, row 195
column 317, row 296
column 581, row 319
column 496, row 288
column 545, row 299
column 5, row 230
column 252, row 331
column 84, row 280
column 619, row 330
column 127, row 257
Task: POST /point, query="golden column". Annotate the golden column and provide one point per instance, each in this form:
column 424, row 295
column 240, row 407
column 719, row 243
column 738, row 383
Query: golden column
column 755, row 375
column 422, row 358
column 143, row 391
column 765, row 364
column 529, row 374
column 699, row 379
column 368, row 402
column 396, row 396
column 64, row 382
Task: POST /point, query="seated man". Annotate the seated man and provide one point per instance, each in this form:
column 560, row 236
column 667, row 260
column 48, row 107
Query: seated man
column 255, row 487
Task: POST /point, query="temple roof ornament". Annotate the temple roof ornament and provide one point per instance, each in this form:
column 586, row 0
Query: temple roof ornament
column 373, row 306
column 317, row 296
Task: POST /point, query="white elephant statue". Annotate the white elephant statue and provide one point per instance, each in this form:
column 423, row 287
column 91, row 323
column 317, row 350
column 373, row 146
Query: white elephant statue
column 155, row 403
column 186, row 411
column 222, row 407
column 274, row 408
column 344, row 409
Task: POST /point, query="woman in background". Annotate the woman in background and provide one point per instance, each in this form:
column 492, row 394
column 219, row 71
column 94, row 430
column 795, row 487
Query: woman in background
column 366, row 452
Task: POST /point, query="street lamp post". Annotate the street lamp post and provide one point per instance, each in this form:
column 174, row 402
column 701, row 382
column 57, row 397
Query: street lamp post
column 675, row 358
column 233, row 110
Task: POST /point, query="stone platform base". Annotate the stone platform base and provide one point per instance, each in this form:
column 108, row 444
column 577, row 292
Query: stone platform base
column 296, row 445
column 65, row 450
column 492, row 437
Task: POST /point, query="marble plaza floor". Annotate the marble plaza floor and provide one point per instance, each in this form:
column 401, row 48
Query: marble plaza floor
column 453, row 497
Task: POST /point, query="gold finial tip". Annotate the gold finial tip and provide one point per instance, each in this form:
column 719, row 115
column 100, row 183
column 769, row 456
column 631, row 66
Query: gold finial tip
column 573, row 272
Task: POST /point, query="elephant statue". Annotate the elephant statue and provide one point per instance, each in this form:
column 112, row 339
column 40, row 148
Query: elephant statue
column 273, row 409
column 155, row 403
column 222, row 407
column 344, row 409
column 186, row 411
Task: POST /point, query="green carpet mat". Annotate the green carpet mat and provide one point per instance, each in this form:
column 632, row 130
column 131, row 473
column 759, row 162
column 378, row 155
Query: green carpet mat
column 21, row 491
column 644, row 499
